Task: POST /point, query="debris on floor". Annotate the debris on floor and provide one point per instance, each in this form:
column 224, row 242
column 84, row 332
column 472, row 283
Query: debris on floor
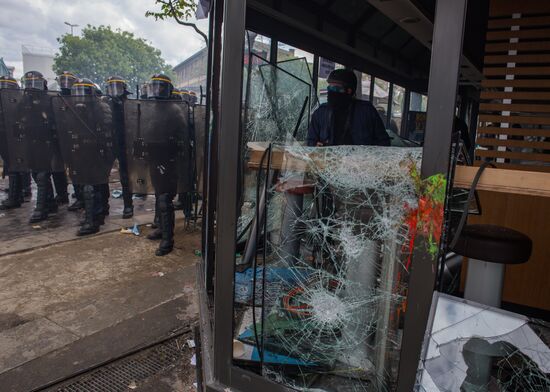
column 131, row 230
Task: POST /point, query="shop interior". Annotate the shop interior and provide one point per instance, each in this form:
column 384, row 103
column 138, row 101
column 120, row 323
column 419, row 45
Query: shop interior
column 417, row 266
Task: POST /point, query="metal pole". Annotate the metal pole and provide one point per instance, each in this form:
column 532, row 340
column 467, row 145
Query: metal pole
column 228, row 165
column 390, row 106
column 405, row 114
column 448, row 33
column 273, row 51
column 371, row 92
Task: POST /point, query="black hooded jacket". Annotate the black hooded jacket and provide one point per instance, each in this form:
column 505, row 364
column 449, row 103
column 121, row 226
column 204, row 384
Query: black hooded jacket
column 364, row 123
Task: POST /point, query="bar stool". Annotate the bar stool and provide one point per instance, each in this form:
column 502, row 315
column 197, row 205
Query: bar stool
column 489, row 249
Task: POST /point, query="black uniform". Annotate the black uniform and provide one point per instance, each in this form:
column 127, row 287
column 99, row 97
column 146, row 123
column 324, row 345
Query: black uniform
column 117, row 90
column 18, row 182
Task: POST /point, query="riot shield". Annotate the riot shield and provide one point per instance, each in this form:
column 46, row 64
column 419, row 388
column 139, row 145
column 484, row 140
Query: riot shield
column 199, row 137
column 85, row 131
column 3, row 142
column 30, row 131
column 155, row 133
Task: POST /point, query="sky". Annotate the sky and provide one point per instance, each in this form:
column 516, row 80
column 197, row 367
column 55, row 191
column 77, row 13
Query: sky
column 39, row 23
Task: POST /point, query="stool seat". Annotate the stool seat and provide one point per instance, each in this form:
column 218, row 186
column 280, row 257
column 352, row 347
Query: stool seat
column 495, row 244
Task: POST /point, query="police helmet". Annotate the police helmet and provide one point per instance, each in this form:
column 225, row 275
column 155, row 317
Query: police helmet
column 84, row 87
column 115, row 86
column 34, row 80
column 160, row 86
column 66, row 80
column 8, row 82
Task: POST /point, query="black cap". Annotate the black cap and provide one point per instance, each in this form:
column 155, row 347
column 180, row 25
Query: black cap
column 345, row 77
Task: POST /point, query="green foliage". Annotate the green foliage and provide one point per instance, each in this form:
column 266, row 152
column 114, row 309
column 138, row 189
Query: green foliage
column 101, row 52
column 177, row 9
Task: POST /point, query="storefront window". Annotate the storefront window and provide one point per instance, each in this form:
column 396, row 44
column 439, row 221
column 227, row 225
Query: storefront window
column 365, row 86
column 416, row 122
column 324, row 247
column 398, row 100
column 380, row 98
column 259, row 45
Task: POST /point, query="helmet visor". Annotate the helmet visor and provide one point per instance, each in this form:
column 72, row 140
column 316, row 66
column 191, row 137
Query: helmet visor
column 66, row 81
column 82, row 89
column 116, row 88
column 34, row 83
column 8, row 84
column 159, row 89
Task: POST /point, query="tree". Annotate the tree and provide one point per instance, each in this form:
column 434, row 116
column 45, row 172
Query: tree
column 101, row 52
column 180, row 11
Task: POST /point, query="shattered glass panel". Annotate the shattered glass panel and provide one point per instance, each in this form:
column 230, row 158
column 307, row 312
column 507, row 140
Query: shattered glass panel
column 325, row 240
column 301, row 69
column 473, row 347
column 276, row 103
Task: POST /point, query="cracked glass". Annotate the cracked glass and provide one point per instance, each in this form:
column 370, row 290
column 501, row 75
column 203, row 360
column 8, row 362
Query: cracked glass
column 473, row 347
column 325, row 240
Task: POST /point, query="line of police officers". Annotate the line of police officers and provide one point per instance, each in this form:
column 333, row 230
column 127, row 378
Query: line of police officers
column 80, row 131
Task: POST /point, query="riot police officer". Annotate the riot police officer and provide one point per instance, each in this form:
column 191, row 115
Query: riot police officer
column 17, row 181
column 160, row 88
column 95, row 196
column 117, row 89
column 45, row 202
column 65, row 81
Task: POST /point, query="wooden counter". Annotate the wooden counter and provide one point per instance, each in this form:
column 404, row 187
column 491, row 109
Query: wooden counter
column 495, row 180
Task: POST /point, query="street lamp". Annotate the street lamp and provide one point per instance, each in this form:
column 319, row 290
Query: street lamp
column 71, row 26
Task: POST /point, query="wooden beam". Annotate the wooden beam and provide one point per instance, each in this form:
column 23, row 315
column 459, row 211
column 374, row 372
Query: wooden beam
column 507, row 34
column 494, row 142
column 513, row 131
column 520, row 156
column 536, row 120
column 521, row 95
column 523, row 21
column 509, row 7
column 520, row 46
column 530, row 83
column 501, row 71
column 502, row 180
column 515, row 107
column 520, row 58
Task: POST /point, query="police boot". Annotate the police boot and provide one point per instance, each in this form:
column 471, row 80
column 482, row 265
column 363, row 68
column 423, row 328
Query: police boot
column 42, row 207
column 60, row 183
column 90, row 225
column 167, row 225
column 52, row 203
column 104, row 194
column 128, row 211
column 79, row 203
column 15, row 198
column 178, row 205
column 26, row 184
column 156, row 234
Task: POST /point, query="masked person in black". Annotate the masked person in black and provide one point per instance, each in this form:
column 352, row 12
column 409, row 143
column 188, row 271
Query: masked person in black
column 345, row 120
column 118, row 91
column 45, row 202
column 17, row 181
column 95, row 196
column 160, row 88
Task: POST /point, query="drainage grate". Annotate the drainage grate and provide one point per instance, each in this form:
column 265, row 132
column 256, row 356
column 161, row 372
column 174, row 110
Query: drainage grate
column 119, row 375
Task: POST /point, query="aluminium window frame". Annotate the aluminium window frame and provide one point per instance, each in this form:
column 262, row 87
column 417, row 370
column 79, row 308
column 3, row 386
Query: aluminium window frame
column 444, row 73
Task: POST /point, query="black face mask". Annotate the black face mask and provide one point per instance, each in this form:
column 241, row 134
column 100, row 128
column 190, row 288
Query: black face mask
column 338, row 100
